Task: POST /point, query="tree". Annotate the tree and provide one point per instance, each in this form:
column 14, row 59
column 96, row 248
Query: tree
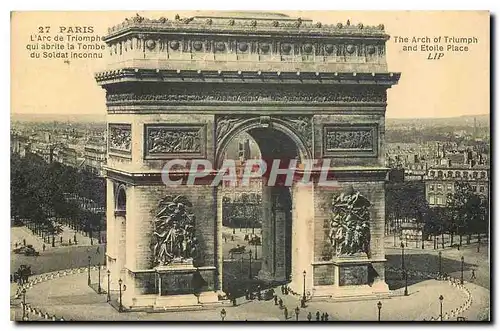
column 467, row 209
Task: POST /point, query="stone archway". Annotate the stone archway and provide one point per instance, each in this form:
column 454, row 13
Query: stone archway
column 180, row 89
column 281, row 245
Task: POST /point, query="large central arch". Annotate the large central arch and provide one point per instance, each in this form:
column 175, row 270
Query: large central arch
column 276, row 141
column 183, row 88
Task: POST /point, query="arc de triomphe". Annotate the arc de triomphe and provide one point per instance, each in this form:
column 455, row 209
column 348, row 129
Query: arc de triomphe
column 183, row 88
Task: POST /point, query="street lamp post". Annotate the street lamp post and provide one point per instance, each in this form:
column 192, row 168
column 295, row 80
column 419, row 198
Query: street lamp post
column 99, row 278
column 108, row 298
column 223, row 314
column 304, row 290
column 250, row 266
column 406, row 282
column 88, row 280
column 440, row 266
column 402, row 256
column 24, row 303
column 120, row 282
column 297, row 312
column 441, row 298
column 462, row 271
column 256, row 250
column 379, row 306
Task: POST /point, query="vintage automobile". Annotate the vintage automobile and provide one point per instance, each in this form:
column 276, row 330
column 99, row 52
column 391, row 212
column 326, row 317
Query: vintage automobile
column 27, row 250
column 237, row 250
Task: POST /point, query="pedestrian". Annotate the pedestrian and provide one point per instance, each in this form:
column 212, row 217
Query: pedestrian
column 98, row 251
column 225, row 239
column 61, row 240
column 24, row 242
column 309, row 316
column 16, row 244
column 232, row 238
column 281, row 303
column 317, row 316
column 326, row 317
column 285, row 311
column 323, row 317
column 473, row 274
column 275, row 300
column 43, row 247
column 69, row 241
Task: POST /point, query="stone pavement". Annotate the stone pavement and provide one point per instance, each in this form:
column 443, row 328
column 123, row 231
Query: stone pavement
column 70, row 297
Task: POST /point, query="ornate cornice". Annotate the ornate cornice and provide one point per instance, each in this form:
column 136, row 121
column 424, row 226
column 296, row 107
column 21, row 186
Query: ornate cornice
column 345, row 174
column 267, row 77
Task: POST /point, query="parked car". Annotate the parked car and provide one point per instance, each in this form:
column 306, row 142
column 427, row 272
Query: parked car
column 237, row 250
column 27, row 250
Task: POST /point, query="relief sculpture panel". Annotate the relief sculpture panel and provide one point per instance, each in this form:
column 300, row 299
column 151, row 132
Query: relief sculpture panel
column 174, row 141
column 120, row 138
column 350, row 141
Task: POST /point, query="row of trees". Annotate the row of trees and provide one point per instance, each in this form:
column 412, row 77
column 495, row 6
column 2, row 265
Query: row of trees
column 466, row 212
column 243, row 211
column 45, row 194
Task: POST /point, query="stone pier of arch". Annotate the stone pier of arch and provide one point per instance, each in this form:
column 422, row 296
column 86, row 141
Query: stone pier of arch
column 183, row 88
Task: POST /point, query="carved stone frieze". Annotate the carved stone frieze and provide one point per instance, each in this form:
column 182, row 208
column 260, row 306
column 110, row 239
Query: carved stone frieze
column 166, row 141
column 120, row 138
column 259, row 94
column 350, row 140
column 362, row 139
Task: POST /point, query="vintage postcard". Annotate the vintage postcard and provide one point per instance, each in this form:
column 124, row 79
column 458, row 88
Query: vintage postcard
column 312, row 166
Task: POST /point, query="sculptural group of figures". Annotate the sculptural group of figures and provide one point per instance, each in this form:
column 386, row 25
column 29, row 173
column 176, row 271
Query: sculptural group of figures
column 169, row 141
column 120, row 138
column 350, row 224
column 174, row 231
column 349, row 140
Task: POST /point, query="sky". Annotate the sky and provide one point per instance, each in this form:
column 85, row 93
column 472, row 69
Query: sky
column 457, row 84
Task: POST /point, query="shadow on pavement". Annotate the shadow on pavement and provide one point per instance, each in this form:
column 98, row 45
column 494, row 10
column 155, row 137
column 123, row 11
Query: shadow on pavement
column 426, row 263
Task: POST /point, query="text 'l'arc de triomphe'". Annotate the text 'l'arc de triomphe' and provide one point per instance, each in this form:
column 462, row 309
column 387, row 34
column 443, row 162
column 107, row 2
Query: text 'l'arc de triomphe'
column 183, row 88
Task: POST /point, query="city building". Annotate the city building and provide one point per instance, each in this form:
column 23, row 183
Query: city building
column 95, row 155
column 441, row 178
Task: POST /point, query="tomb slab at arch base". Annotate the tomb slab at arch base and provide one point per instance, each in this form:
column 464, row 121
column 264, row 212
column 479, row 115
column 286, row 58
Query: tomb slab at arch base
column 350, row 280
column 173, row 289
column 169, row 296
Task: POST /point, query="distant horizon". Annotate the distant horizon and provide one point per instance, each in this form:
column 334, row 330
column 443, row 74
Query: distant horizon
column 103, row 115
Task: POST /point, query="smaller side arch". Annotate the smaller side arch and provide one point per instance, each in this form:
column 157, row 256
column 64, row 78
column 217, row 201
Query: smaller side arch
column 121, row 199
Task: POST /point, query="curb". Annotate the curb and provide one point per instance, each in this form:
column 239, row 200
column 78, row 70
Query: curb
column 454, row 282
column 43, row 278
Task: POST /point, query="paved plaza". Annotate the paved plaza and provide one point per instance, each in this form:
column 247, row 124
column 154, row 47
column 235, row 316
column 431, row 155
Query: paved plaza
column 71, row 298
